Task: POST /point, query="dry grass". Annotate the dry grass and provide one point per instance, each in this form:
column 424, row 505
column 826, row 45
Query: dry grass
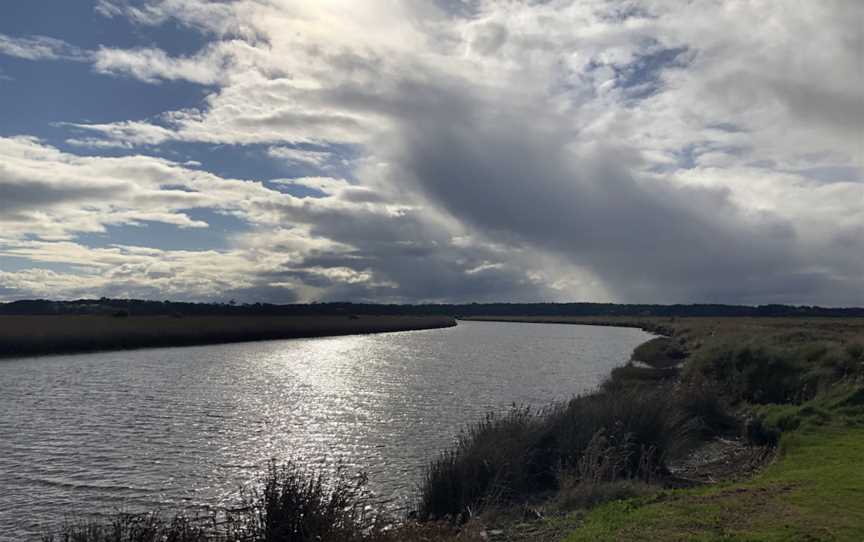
column 698, row 331
column 37, row 335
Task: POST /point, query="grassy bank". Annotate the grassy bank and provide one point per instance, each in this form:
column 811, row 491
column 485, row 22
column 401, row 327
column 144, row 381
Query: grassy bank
column 794, row 384
column 40, row 335
column 813, row 491
column 660, row 326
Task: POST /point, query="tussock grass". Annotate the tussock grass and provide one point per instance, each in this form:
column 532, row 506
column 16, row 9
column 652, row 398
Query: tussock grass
column 289, row 504
column 660, row 353
column 631, row 374
column 764, row 373
column 136, row 528
column 620, row 433
column 296, row 505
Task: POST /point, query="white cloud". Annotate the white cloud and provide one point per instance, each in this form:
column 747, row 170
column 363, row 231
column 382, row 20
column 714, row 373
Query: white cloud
column 51, row 194
column 126, row 134
column 586, row 133
column 347, row 242
column 298, row 156
column 40, row 48
column 154, row 65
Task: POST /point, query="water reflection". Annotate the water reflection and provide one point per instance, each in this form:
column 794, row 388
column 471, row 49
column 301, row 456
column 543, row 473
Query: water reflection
column 188, row 426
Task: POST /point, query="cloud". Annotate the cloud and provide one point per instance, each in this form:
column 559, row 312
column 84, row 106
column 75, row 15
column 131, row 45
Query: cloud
column 48, row 193
column 647, row 238
column 298, row 156
column 154, row 65
column 345, row 242
column 211, row 65
column 670, row 153
column 202, row 15
column 124, row 134
column 40, row 48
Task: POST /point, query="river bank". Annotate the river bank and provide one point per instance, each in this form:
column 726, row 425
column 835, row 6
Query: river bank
column 628, row 462
column 796, row 388
column 65, row 334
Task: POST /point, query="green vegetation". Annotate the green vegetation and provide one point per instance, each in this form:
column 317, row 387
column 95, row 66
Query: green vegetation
column 660, row 353
column 813, row 491
column 627, row 431
column 620, row 434
column 796, row 383
column 39, row 335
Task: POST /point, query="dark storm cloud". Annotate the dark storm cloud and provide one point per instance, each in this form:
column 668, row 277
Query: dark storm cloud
column 510, row 173
column 410, row 258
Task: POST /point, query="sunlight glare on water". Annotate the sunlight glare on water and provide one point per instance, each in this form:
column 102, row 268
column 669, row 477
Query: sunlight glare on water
column 175, row 428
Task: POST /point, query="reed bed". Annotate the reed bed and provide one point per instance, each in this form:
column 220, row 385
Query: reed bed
column 39, row 335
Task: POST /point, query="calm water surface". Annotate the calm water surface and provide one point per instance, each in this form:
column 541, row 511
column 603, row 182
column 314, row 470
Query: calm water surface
column 175, row 428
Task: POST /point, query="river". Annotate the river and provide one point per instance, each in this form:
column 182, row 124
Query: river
column 177, row 428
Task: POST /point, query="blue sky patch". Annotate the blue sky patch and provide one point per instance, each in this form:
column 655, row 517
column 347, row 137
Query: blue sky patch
column 78, row 23
column 171, row 237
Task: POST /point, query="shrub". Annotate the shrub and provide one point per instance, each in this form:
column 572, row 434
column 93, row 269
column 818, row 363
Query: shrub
column 855, row 351
column 754, row 374
column 660, row 353
column 291, row 505
column 490, row 460
column 298, row 506
column 699, row 401
column 644, row 417
column 138, row 528
column 631, row 374
column 759, row 434
column 627, row 433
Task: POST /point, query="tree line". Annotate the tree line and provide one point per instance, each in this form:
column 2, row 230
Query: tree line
column 139, row 307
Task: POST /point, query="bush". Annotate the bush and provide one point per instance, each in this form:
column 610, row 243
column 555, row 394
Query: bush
column 754, row 374
column 855, row 351
column 758, row 433
column 660, row 353
column 625, row 434
column 632, row 375
column 138, row 528
column 291, row 505
column 490, row 461
column 298, row 506
column 699, row 401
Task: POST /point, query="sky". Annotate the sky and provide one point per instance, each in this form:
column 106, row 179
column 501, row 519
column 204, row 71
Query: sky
column 656, row 151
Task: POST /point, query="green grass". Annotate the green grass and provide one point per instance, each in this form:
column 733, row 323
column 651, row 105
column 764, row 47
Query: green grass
column 813, row 491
